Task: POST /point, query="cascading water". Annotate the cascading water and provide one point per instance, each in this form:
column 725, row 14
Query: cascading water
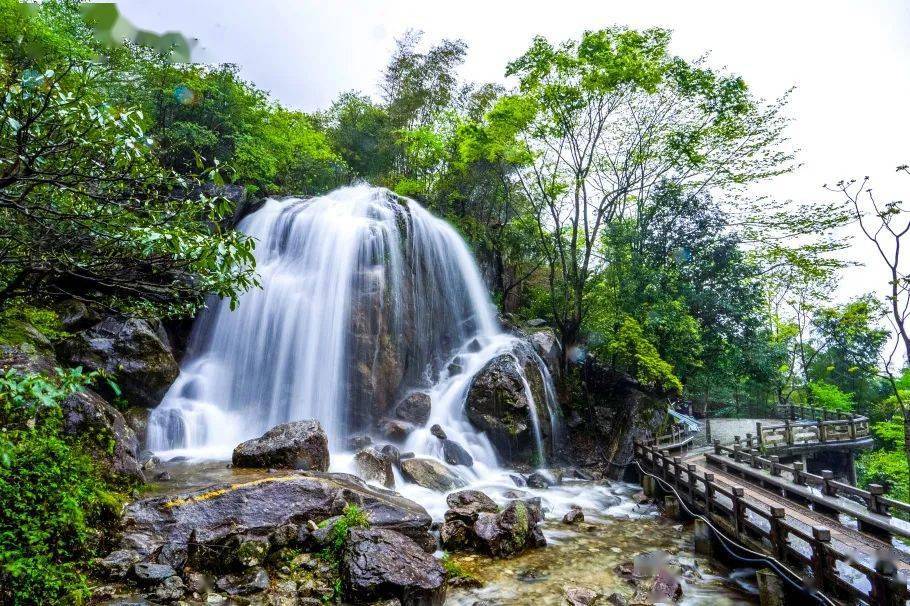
column 364, row 296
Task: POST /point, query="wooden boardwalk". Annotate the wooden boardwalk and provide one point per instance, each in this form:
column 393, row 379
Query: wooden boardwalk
column 834, row 535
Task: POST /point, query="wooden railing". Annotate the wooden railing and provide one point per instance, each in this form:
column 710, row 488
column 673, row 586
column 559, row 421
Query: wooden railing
column 677, row 437
column 809, row 426
column 833, row 567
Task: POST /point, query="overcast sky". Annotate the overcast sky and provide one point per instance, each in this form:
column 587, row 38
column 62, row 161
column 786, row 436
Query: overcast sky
column 850, row 61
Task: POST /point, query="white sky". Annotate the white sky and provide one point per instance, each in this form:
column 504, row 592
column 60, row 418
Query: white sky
column 850, row 61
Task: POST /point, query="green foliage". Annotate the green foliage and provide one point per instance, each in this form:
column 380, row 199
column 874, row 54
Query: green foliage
column 454, row 570
column 886, row 467
column 630, row 350
column 54, row 497
column 18, row 323
column 829, row 397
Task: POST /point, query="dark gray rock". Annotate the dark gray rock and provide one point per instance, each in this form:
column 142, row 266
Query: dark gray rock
column 438, row 431
column 373, row 466
column 580, row 596
column 147, row 573
column 133, row 351
column 511, row 531
column 296, row 445
column 395, row 430
column 467, row 505
column 547, row 346
column 254, row 580
column 538, row 480
column 359, row 442
column 170, row 590
column 75, row 315
column 454, row 454
column 86, row 413
column 455, row 535
column 414, row 408
column 381, row 564
column 118, row 564
column 210, row 524
column 518, row 480
column 573, row 516
column 498, row 404
column 431, row 474
column 392, row 453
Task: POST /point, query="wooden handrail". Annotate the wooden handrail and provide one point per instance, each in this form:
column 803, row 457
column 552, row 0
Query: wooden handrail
column 726, row 508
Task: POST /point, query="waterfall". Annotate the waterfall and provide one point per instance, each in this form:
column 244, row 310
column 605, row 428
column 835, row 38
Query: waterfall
column 365, row 295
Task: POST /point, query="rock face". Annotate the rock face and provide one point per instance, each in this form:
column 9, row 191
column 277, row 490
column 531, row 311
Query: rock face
column 547, row 346
column 430, row 474
column 375, row 466
column 511, row 531
column 87, row 413
column 137, row 355
column 414, row 408
column 213, row 528
column 297, row 445
column 498, row 403
column 382, row 564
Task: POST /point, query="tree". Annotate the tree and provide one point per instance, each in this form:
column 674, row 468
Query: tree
column 612, row 116
column 85, row 208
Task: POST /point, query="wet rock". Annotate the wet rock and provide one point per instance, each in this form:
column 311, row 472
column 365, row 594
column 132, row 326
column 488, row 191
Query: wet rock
column 547, row 346
column 373, row 466
column 75, row 315
column 455, row 535
column 252, row 581
column 430, row 474
column 198, row 583
column 574, row 516
column 580, row 596
column 170, row 590
column 164, row 476
column 516, row 494
column 467, row 505
column 518, row 480
column 474, row 346
column 87, row 414
column 395, row 430
column 511, row 531
column 210, row 524
column 497, row 403
column 391, row 452
column 538, row 480
column 439, row 432
column 381, row 564
column 456, row 366
column 414, row 408
column 296, row 445
column 118, row 564
column 147, row 573
column 359, row 442
column 134, row 352
column 454, row 454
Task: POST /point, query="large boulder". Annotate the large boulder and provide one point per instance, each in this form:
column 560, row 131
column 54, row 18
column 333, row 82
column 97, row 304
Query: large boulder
column 223, row 525
column 431, row 474
column 454, row 454
column 511, row 531
column 136, row 353
column 85, row 413
column 414, row 408
column 296, row 445
column 498, row 403
column 375, row 466
column 380, row 564
column 547, row 346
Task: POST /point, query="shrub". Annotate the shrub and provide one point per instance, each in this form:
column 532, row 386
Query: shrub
column 54, row 497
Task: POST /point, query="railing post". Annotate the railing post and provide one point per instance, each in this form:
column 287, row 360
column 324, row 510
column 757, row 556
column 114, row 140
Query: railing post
column 761, row 440
column 738, row 492
column 788, row 433
column 677, row 468
column 717, row 450
column 775, row 462
column 875, row 504
column 709, row 493
column 748, row 440
column 822, row 432
column 888, row 589
column 690, row 472
column 822, row 560
column 852, row 425
column 778, row 533
column 828, row 487
column 735, row 453
column 798, row 474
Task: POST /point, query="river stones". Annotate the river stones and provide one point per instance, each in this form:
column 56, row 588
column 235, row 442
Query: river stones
column 414, row 408
column 380, row 564
column 454, row 454
column 431, row 474
column 374, row 466
column 580, row 596
column 573, row 516
column 296, row 445
column 437, row 431
column 395, row 429
column 539, row 480
column 511, row 531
